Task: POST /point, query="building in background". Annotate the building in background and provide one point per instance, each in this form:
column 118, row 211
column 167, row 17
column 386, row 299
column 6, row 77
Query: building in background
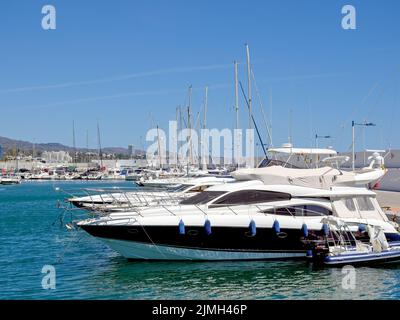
column 1, row 152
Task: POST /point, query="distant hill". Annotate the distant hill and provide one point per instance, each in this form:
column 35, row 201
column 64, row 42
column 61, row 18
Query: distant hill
column 25, row 146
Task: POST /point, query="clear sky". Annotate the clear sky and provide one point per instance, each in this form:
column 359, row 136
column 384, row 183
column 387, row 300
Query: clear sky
column 129, row 63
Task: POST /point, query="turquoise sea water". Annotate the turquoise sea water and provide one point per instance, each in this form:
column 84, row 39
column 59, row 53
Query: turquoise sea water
column 32, row 236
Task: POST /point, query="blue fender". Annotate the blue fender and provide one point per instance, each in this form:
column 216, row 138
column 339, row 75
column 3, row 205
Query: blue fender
column 207, row 227
column 276, row 227
column 304, row 230
column 182, row 230
column 252, row 228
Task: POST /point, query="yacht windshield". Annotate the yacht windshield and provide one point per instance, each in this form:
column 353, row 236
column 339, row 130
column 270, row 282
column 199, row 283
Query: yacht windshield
column 203, row 197
column 271, row 162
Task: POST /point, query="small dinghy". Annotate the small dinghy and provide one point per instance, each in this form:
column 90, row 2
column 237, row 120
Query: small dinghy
column 341, row 247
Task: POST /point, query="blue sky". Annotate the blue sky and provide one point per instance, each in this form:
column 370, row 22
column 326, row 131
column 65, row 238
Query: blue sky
column 129, row 63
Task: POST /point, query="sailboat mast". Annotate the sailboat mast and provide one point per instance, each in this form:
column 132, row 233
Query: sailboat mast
column 180, row 127
column 249, row 93
column 290, row 126
column 250, row 99
column 33, row 149
column 74, row 140
column 190, row 125
column 100, row 149
column 236, row 153
column 177, row 128
column 205, row 108
column 270, row 116
column 159, row 147
column 236, row 95
column 87, row 148
column 205, row 127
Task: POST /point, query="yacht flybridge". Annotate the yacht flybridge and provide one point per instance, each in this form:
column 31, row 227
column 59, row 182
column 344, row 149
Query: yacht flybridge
column 323, row 178
column 271, row 172
column 239, row 221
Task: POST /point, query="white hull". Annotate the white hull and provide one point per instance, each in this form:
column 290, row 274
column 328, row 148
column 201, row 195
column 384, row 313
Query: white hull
column 142, row 251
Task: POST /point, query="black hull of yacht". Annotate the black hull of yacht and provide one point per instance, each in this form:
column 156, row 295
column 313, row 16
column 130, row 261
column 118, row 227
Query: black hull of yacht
column 224, row 243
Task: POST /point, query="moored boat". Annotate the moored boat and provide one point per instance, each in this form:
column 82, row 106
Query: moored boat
column 238, row 221
column 341, row 247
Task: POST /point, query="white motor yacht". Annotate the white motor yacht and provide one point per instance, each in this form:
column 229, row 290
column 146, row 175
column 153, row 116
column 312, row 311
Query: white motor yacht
column 239, row 221
column 123, row 201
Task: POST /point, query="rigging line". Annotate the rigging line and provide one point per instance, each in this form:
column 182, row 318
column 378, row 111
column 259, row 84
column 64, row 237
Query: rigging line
column 394, row 110
column 377, row 83
column 151, row 240
column 254, row 122
column 384, row 90
column 376, row 102
column 363, row 101
column 357, row 136
column 197, row 122
column 266, row 123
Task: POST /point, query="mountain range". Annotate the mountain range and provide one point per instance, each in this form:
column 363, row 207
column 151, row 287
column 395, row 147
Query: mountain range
column 10, row 144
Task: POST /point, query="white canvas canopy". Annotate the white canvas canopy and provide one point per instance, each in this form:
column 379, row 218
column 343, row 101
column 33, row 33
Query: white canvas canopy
column 322, row 178
column 304, row 151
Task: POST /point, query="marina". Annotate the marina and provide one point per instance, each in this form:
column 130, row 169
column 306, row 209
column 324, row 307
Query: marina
column 212, row 151
column 88, row 269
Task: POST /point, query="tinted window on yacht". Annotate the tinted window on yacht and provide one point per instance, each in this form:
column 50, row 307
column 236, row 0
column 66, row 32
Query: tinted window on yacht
column 270, row 163
column 203, row 197
column 349, row 203
column 313, row 210
column 301, row 211
column 365, row 204
column 284, row 211
column 251, row 196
